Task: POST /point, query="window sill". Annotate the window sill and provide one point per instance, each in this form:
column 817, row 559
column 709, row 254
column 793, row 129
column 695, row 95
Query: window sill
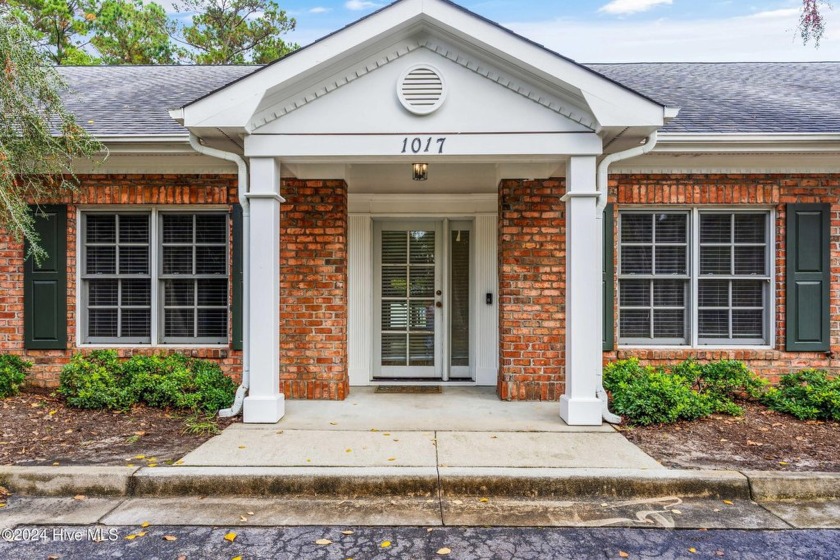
column 156, row 346
column 734, row 348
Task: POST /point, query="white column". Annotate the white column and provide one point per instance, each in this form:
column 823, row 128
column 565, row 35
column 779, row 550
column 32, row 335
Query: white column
column 264, row 403
column 584, row 314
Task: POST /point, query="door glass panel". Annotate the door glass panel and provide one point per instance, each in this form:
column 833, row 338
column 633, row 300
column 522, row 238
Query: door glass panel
column 408, row 298
column 460, row 298
column 422, row 282
column 394, row 351
column 422, row 348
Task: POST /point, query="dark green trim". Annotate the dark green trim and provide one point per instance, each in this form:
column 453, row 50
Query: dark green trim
column 609, row 278
column 808, row 278
column 237, row 277
column 45, row 284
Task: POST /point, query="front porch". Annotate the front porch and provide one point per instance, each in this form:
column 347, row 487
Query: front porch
column 467, row 428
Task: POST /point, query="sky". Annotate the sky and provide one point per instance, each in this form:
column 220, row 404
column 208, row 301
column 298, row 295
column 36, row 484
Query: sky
column 622, row 30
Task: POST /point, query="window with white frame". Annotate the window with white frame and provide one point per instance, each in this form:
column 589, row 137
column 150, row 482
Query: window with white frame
column 694, row 277
column 154, row 277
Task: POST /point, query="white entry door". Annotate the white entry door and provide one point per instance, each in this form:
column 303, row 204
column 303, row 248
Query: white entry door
column 422, row 313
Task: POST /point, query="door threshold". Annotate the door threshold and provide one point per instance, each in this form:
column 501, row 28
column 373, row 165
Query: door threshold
column 420, row 383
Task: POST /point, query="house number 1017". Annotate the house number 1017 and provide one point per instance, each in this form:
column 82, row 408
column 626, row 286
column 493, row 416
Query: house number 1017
column 423, row 145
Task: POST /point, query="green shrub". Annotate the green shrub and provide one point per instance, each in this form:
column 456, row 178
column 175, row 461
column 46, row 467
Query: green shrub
column 810, row 394
column 94, row 381
column 649, row 396
column 722, row 383
column 13, row 372
column 177, row 381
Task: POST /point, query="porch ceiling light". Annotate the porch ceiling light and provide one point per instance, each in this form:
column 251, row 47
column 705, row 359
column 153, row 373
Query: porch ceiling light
column 420, row 171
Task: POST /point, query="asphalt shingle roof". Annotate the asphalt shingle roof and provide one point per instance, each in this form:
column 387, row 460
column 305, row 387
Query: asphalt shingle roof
column 715, row 98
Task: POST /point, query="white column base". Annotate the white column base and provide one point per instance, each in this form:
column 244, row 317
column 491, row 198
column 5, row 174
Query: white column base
column 264, row 410
column 580, row 412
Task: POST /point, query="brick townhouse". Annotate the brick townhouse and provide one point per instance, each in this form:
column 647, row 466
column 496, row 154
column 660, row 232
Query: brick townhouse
column 424, row 197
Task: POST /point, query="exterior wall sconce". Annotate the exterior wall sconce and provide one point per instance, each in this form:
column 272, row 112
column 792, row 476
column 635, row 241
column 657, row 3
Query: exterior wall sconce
column 420, row 171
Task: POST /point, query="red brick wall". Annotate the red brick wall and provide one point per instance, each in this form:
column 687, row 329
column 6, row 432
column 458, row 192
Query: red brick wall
column 766, row 190
column 313, row 290
column 532, row 253
column 112, row 190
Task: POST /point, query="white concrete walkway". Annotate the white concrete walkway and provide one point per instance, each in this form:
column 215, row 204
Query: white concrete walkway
column 461, row 427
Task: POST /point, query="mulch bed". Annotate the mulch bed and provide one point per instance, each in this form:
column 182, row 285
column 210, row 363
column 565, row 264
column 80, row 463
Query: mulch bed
column 42, row 430
column 760, row 440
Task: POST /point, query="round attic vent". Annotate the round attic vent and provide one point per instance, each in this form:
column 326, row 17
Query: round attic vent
column 421, row 89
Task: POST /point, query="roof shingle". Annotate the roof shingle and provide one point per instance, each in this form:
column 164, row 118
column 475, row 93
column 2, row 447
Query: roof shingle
column 714, row 97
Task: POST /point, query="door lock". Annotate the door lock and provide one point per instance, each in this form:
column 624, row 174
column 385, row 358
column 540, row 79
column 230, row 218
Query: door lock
column 439, row 293
column 438, row 304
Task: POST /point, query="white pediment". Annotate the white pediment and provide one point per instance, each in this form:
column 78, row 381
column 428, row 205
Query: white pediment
column 364, row 99
column 497, row 82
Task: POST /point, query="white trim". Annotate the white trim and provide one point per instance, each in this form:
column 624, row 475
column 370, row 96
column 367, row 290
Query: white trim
column 154, row 211
column 360, row 304
column 746, row 142
column 692, row 306
column 418, row 204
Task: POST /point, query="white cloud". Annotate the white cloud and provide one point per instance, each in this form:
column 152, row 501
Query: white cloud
column 763, row 36
column 360, row 5
column 320, row 10
column 621, row 7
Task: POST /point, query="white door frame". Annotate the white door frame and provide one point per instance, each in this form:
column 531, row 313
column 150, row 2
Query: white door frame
column 430, row 373
column 482, row 209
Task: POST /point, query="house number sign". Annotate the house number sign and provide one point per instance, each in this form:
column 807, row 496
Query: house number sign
column 426, row 145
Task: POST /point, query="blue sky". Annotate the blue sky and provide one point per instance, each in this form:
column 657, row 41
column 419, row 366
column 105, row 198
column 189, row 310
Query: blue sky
column 621, row 30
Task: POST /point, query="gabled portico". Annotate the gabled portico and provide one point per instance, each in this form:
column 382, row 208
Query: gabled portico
column 424, row 81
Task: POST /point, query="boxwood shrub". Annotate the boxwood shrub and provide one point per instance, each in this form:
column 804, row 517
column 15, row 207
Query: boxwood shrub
column 810, row 394
column 13, row 372
column 686, row 391
column 101, row 380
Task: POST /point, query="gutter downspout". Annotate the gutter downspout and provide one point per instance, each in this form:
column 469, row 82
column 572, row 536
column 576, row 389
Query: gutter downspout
column 601, row 186
column 242, row 191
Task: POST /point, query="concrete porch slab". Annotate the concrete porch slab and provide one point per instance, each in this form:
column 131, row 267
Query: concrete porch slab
column 456, row 409
column 549, row 450
column 241, row 445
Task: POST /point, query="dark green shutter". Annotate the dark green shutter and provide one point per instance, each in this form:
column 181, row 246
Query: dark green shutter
column 609, row 278
column 45, row 283
column 237, row 277
column 808, row 277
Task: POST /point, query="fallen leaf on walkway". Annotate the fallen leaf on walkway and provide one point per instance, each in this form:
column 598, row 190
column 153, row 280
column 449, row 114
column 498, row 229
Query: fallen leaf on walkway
column 727, row 502
column 719, row 553
column 692, row 550
column 249, row 512
column 56, row 557
column 179, row 462
column 374, row 430
column 386, row 434
column 170, row 538
column 678, row 512
column 392, row 459
column 3, row 505
column 444, row 551
column 139, row 457
column 242, row 518
column 230, row 537
column 348, row 451
column 130, row 537
column 323, row 542
column 347, row 532
column 56, row 464
column 182, row 557
column 623, row 554
column 385, row 544
column 484, row 500
column 783, row 463
column 333, row 423
column 80, row 497
column 754, row 443
column 457, row 502
column 142, row 533
column 236, row 558
column 242, row 447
